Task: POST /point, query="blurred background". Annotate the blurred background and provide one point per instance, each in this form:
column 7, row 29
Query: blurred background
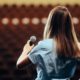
column 20, row 19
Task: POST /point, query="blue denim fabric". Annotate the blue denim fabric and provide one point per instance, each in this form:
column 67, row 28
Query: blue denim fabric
column 49, row 65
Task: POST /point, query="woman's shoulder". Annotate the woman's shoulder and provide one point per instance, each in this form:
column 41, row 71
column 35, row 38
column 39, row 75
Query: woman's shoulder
column 46, row 40
column 47, row 43
column 50, row 40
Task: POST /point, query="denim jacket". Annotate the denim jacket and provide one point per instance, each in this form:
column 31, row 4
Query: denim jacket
column 49, row 65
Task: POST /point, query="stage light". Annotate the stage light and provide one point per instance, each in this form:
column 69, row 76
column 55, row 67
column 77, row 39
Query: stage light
column 43, row 20
column 25, row 20
column 35, row 21
column 5, row 21
column 15, row 21
column 75, row 20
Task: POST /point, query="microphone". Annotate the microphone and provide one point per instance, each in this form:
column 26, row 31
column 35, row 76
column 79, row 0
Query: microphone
column 32, row 40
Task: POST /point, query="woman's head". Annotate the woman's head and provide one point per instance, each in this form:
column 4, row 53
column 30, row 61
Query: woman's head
column 59, row 22
column 60, row 26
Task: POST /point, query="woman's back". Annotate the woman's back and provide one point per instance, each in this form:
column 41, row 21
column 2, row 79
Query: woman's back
column 49, row 64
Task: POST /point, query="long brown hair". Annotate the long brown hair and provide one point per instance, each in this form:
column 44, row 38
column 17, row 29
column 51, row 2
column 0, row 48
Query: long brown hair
column 60, row 27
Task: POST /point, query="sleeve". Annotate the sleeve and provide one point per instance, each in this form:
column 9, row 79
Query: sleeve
column 33, row 55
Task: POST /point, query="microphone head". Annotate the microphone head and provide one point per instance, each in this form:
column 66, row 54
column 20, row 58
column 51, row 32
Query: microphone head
column 33, row 39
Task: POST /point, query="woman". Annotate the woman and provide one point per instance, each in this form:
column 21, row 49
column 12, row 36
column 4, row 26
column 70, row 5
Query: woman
column 56, row 55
